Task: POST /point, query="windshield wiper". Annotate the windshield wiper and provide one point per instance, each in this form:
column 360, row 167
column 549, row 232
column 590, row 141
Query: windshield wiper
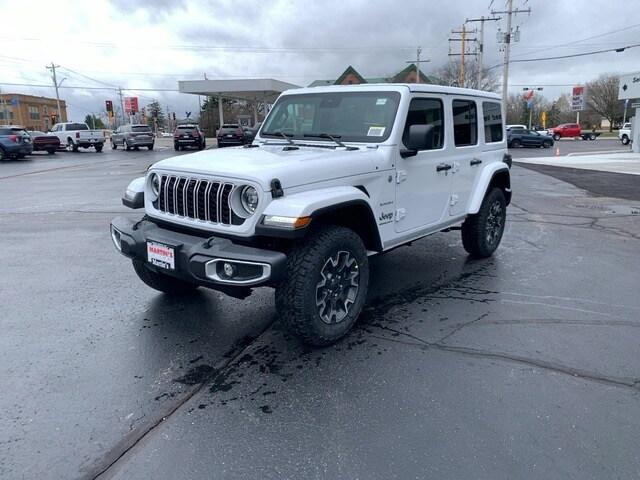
column 334, row 138
column 280, row 133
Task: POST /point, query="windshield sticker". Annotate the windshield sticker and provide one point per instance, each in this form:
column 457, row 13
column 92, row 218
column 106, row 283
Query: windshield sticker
column 381, row 101
column 376, row 131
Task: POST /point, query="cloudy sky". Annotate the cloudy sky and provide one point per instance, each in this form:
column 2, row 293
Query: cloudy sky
column 134, row 45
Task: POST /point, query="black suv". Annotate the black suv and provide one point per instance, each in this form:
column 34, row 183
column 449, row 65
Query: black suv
column 188, row 136
column 15, row 142
column 232, row 134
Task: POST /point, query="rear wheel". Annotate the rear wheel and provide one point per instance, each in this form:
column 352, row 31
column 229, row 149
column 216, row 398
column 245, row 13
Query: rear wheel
column 547, row 144
column 325, row 287
column 71, row 147
column 113, row 145
column 592, row 136
column 161, row 282
column 625, row 140
column 98, row 147
column 51, row 151
column 126, row 146
column 482, row 232
column 150, row 147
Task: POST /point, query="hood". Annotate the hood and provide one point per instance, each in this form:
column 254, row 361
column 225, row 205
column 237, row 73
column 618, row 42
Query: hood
column 264, row 163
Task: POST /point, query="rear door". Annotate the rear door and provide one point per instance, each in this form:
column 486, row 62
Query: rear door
column 422, row 186
column 467, row 151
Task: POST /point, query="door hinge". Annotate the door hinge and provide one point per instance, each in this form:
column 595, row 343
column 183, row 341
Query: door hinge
column 400, row 214
column 401, row 176
column 453, row 200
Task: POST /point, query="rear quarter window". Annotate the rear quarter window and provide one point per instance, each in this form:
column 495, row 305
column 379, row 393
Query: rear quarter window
column 492, row 115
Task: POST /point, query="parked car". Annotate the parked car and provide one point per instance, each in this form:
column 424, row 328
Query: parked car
column 15, row 142
column 251, row 132
column 231, row 134
column 624, row 134
column 373, row 168
column 44, row 142
column 74, row 135
column 188, row 135
column 528, row 138
column 132, row 136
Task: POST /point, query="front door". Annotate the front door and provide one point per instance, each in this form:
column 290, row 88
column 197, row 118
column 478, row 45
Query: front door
column 423, row 181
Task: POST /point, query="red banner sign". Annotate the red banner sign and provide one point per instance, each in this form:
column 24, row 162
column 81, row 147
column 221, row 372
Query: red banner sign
column 131, row 105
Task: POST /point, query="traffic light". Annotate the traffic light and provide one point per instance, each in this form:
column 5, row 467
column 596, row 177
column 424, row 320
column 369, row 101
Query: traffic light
column 174, row 116
column 109, row 105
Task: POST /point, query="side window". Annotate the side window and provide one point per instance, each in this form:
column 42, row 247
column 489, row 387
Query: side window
column 426, row 111
column 465, row 123
column 492, row 114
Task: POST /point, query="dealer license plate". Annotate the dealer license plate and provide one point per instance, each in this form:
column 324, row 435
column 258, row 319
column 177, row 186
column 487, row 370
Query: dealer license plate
column 161, row 255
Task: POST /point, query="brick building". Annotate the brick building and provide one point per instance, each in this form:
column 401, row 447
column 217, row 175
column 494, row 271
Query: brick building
column 351, row 77
column 35, row 113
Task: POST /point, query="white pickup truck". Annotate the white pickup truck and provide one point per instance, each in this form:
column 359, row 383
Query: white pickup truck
column 624, row 134
column 74, row 135
column 335, row 176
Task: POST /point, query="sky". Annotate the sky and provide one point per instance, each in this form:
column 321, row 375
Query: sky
column 147, row 46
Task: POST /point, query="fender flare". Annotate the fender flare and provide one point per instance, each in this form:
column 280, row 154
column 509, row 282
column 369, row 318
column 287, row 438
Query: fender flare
column 320, row 203
column 489, row 173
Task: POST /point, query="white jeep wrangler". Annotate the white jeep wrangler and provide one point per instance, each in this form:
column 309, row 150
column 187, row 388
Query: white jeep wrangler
column 334, row 176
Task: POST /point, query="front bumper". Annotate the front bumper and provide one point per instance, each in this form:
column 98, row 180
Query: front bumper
column 199, row 260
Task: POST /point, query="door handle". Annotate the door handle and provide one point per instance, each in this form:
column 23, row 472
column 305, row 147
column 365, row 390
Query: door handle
column 475, row 162
column 443, row 167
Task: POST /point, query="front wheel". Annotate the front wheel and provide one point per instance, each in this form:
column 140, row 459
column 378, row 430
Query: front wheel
column 113, row 146
column 326, row 285
column 625, row 140
column 150, row 147
column 515, row 143
column 547, row 144
column 161, row 282
column 592, row 136
column 556, row 136
column 482, row 232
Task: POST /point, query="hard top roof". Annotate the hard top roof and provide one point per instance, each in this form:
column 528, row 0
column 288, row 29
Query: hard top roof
column 412, row 87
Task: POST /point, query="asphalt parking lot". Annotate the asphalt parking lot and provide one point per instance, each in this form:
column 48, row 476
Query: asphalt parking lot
column 569, row 146
column 524, row 365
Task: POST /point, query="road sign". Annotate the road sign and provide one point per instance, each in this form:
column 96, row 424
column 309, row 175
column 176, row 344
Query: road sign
column 131, row 105
column 629, row 86
column 577, row 99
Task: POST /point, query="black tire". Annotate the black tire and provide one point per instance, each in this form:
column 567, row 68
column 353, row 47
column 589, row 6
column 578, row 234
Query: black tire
column 51, row 151
column 556, row 136
column 176, row 147
column 329, row 249
column 3, row 156
column 72, row 146
column 150, row 147
column 136, row 148
column 516, row 143
column 200, row 146
column 592, row 136
column 126, row 146
column 482, row 232
column 161, row 282
column 98, row 147
column 625, row 140
column 113, row 146
column 547, row 144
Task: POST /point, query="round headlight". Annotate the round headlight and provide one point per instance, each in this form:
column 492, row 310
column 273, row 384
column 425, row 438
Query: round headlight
column 249, row 199
column 155, row 184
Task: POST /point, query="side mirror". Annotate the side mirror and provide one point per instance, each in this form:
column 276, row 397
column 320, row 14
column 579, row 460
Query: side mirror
column 420, row 137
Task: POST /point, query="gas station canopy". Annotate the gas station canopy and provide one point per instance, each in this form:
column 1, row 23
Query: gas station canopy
column 255, row 90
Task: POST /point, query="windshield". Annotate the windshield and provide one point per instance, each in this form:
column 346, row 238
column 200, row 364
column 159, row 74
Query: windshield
column 349, row 116
column 141, row 128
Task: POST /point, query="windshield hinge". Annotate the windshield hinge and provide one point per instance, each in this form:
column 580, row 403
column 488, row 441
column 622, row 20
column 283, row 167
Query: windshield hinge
column 401, row 176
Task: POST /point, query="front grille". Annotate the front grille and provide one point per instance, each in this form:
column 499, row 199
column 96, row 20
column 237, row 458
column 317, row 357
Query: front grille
column 198, row 199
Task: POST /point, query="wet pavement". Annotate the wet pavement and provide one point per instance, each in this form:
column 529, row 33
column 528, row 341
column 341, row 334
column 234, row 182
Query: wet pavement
column 524, row 365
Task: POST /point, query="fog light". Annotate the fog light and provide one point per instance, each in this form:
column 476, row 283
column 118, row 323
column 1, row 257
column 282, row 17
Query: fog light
column 115, row 236
column 229, row 270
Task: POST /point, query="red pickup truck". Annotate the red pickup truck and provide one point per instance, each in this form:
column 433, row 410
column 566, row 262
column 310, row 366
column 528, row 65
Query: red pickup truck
column 571, row 130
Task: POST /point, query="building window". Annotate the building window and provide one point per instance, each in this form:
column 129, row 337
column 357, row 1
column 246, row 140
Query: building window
column 492, row 114
column 34, row 113
column 465, row 123
column 6, row 115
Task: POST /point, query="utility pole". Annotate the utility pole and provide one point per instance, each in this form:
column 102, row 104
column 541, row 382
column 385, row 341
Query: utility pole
column 507, row 45
column 463, row 50
column 55, row 84
column 417, row 61
column 121, row 105
column 480, row 50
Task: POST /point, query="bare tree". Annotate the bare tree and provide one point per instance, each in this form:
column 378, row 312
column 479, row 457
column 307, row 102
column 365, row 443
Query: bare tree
column 448, row 74
column 602, row 97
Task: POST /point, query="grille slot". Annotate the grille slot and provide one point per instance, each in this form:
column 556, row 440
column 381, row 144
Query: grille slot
column 197, row 199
